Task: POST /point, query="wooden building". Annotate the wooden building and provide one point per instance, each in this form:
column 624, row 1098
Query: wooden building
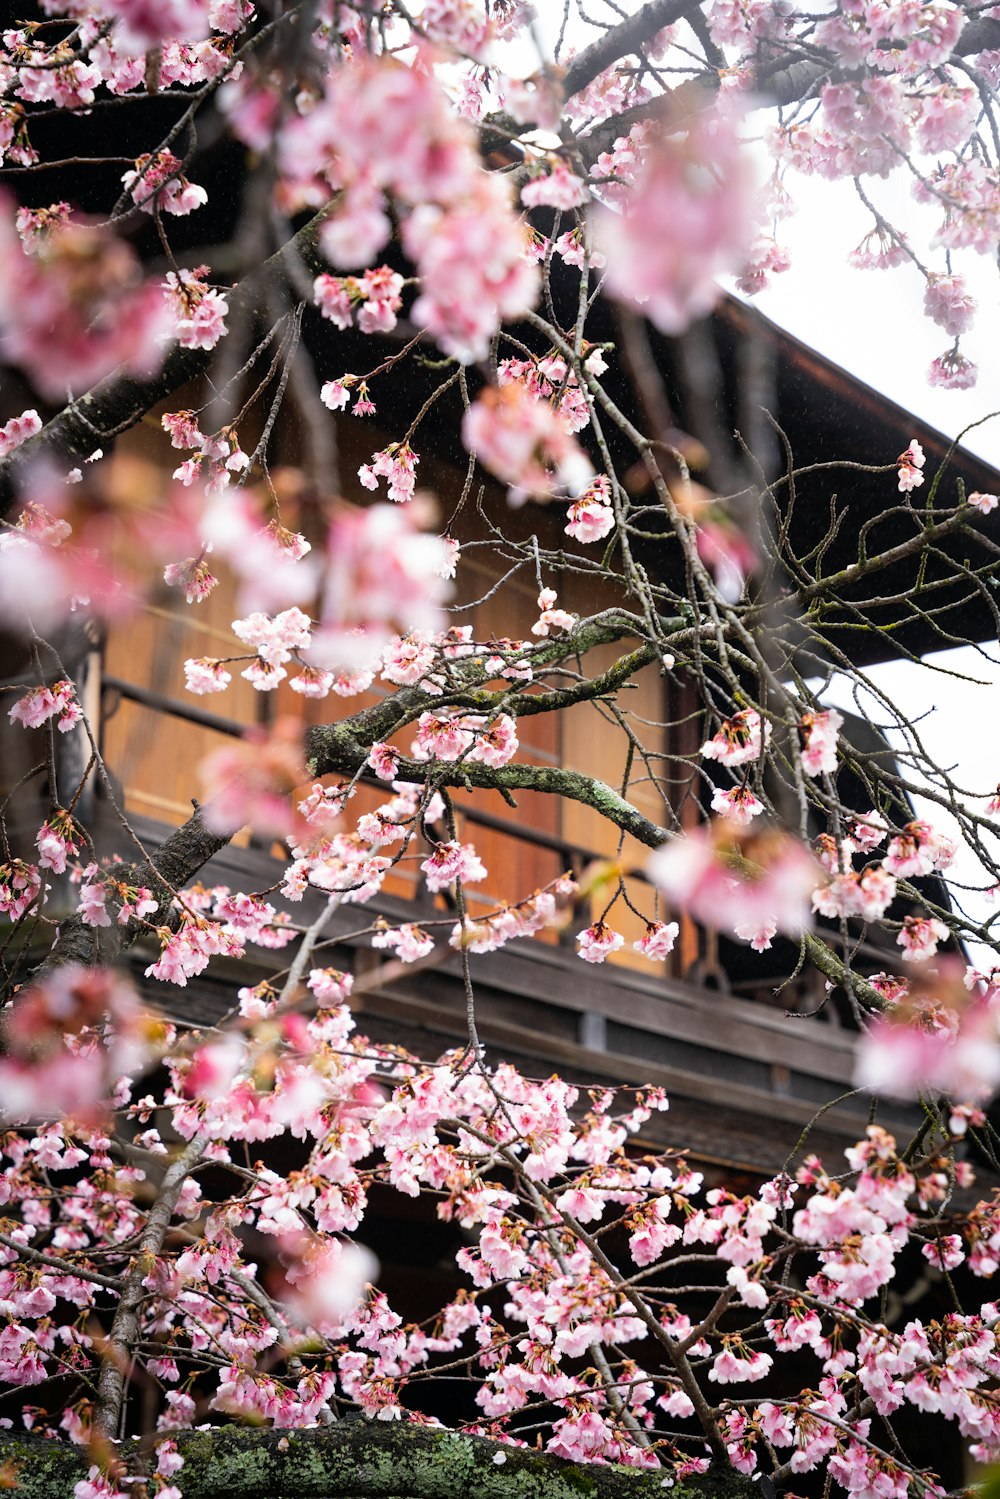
column 745, row 1069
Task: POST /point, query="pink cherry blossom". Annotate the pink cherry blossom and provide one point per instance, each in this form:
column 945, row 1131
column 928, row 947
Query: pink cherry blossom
column 194, row 576
column 20, row 886
column 92, row 909
column 384, row 760
column 18, row 430
column 598, row 942
column 199, row 310
column 335, row 394
column 39, row 704
column 948, row 303
column 738, row 804
column 443, row 736
column 56, row 841
column 203, row 675
column 950, row 371
column 407, row 660
column 869, row 831
column 738, row 740
column 494, row 743
column 759, row 934
column 409, row 942
column 452, row 861
column 558, row 188
column 160, row 180
column 658, row 940
column 325, row 1278
column 590, row 518
column 819, row 741
column 920, row 936
column 867, row 895
column 730, row 1367
column 918, row 850
column 330, row 986
column 911, row 464
column 474, row 272
column 97, row 1485
column 397, row 464
column 726, row 551
column 551, row 619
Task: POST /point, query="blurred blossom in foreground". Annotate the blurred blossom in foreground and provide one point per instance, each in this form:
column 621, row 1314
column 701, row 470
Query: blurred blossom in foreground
column 385, row 575
column 934, row 1037
column 252, row 780
column 325, row 1279
column 68, row 1040
column 525, row 442
column 75, row 306
column 726, row 876
column 687, row 221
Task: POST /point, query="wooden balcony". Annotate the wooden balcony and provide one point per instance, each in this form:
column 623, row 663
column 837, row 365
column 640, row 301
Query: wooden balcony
column 745, row 1077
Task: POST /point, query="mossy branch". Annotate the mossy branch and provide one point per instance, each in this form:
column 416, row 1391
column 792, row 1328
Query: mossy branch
column 527, row 704
column 360, row 1459
column 403, row 707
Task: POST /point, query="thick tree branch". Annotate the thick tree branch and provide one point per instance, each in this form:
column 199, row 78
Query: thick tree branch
column 177, row 860
column 791, row 82
column 343, row 748
column 116, row 1355
column 331, row 753
column 387, row 717
column 527, row 705
column 361, row 1460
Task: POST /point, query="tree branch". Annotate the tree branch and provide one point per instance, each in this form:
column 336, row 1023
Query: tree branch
column 331, row 751
column 342, row 748
column 788, row 83
column 179, row 857
column 116, row 1355
column 526, row 705
column 362, row 1459
column 628, row 36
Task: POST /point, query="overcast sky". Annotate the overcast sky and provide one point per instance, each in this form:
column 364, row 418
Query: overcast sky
column 872, row 322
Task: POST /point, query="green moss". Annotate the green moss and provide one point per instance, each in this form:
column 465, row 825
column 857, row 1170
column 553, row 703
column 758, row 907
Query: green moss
column 42, row 1473
column 359, row 1460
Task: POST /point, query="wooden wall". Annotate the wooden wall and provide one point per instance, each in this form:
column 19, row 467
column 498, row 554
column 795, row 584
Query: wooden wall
column 156, row 755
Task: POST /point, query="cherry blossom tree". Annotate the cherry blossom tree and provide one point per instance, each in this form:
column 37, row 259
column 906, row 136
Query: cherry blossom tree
column 188, row 1303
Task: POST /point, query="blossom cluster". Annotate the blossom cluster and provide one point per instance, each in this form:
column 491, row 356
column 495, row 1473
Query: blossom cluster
column 527, row 1171
column 383, row 128
column 74, row 305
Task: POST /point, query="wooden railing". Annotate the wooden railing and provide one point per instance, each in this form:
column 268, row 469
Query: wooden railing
column 804, row 996
column 744, row 1075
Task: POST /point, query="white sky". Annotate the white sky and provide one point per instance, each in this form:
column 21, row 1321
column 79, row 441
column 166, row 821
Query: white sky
column 872, row 322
